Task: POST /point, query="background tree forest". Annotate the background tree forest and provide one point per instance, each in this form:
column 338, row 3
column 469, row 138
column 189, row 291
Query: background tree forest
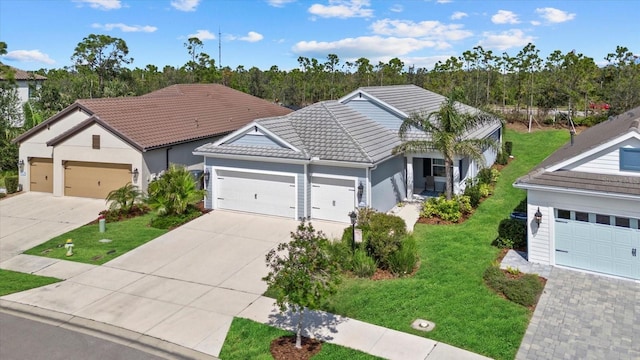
column 514, row 84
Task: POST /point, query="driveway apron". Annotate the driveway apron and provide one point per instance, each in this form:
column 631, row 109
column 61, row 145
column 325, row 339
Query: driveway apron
column 584, row 316
column 184, row 287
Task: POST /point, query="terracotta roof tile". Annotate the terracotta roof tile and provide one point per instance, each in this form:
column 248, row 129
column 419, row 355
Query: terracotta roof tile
column 24, row 75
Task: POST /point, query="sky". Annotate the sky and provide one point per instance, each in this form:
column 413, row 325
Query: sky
column 263, row 33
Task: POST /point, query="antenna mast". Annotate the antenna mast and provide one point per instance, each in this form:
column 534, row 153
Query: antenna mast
column 219, row 48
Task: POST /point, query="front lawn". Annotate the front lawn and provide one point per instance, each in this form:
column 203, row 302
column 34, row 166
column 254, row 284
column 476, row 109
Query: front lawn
column 251, row 340
column 124, row 235
column 12, row 282
column 448, row 289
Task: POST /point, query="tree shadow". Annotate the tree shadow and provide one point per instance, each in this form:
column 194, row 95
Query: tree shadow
column 316, row 324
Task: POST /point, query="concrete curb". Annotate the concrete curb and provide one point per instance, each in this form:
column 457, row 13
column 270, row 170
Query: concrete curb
column 104, row 331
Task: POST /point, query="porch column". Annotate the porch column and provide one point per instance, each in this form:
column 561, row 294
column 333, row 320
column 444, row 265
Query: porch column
column 409, row 177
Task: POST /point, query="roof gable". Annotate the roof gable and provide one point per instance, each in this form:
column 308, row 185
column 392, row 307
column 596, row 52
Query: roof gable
column 255, row 134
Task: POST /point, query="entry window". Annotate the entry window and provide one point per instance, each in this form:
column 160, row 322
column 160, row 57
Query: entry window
column 437, row 166
column 95, row 141
column 564, row 214
column 582, row 216
column 603, row 219
column 630, row 159
column 623, row 222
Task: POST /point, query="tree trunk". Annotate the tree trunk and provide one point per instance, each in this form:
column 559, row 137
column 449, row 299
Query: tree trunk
column 299, row 329
column 448, row 174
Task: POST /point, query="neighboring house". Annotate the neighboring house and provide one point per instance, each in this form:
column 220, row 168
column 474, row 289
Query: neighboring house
column 588, row 193
column 98, row 145
column 328, row 158
column 26, row 84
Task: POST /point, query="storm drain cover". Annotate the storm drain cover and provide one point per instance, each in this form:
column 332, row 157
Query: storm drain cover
column 423, row 325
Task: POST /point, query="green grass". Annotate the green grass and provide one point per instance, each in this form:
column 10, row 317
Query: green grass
column 11, row 281
column 448, row 288
column 251, row 340
column 125, row 235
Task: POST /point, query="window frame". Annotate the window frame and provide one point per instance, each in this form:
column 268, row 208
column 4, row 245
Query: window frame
column 625, row 153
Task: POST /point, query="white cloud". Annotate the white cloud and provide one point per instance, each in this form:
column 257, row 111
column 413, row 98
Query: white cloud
column 252, row 36
column 365, row 46
column 185, row 5
column 342, row 9
column 505, row 40
column 28, row 56
column 427, row 62
column 428, row 29
column 444, row 1
column 554, row 15
column 125, row 28
column 202, row 35
column 535, row 23
column 458, row 15
column 397, row 8
column 279, row 3
column 101, row 4
column 505, row 17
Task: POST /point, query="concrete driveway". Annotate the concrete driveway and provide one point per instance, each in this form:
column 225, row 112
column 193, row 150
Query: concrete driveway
column 584, row 316
column 29, row 219
column 184, row 287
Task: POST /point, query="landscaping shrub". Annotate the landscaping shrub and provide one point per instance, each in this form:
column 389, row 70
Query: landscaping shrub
column 341, row 250
column 11, row 183
column 464, row 204
column 174, row 192
column 524, row 290
column 170, row 221
column 512, row 231
column 495, row 278
column 403, row 261
column 508, row 147
column 448, row 210
column 522, row 206
column 502, row 158
column 485, row 190
column 124, row 198
column 364, row 217
column 488, row 176
column 473, row 192
column 362, row 265
column 384, row 237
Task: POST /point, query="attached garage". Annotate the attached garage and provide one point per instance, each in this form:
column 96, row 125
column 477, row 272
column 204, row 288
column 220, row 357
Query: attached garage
column 41, row 174
column 256, row 192
column 598, row 242
column 94, row 180
column 332, row 198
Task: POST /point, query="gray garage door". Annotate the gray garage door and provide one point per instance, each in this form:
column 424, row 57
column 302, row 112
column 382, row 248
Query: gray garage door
column 598, row 242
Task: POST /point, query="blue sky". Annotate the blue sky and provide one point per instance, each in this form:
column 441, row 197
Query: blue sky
column 262, row 33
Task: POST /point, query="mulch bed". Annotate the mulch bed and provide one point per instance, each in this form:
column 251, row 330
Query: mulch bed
column 284, row 348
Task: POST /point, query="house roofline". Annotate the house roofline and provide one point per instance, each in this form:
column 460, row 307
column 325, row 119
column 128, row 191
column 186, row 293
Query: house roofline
column 575, row 191
column 64, row 112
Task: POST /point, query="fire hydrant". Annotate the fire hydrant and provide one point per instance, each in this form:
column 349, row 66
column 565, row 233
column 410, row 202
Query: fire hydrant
column 69, row 247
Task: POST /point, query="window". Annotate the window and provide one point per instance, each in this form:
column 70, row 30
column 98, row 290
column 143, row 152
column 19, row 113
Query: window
column 603, row 219
column 95, row 141
column 582, row 216
column 564, row 214
column 623, row 222
column 630, row 159
column 437, row 167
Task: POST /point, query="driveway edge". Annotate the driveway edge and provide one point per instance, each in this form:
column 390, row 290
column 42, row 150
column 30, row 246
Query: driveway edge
column 104, row 331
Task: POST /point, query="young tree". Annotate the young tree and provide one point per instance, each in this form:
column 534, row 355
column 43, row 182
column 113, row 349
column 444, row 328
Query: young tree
column 302, row 273
column 445, row 129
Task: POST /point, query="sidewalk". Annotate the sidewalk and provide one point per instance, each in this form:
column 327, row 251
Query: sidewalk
column 76, row 305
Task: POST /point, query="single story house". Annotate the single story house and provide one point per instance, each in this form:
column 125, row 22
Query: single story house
column 328, row 158
column 587, row 196
column 98, row 145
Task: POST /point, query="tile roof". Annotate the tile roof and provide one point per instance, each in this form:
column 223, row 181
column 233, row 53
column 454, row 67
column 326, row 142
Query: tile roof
column 327, row 130
column 23, row 75
column 589, row 139
column 176, row 114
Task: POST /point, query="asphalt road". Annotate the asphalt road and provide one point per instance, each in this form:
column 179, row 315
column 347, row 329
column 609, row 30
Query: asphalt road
column 22, row 339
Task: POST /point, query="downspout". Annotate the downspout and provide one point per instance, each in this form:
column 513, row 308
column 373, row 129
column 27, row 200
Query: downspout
column 167, row 157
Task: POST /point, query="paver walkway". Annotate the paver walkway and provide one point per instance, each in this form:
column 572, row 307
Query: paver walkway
column 581, row 315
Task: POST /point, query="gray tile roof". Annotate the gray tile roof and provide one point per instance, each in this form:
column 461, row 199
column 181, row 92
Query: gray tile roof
column 326, row 130
column 591, row 138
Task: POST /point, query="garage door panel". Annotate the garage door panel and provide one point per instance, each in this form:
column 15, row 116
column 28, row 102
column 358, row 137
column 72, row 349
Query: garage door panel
column 41, row 175
column 269, row 194
column 94, row 180
column 332, row 198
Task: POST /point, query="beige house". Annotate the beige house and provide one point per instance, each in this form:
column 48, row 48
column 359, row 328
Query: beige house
column 98, row 145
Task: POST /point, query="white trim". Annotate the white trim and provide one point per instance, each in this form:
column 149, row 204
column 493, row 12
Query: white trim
column 244, row 130
column 253, row 158
column 608, row 144
column 340, row 163
column 374, row 99
column 575, row 191
column 214, row 173
column 306, row 193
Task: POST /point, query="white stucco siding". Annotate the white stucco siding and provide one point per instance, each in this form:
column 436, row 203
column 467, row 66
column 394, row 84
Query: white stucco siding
column 606, row 161
column 79, row 148
column 541, row 241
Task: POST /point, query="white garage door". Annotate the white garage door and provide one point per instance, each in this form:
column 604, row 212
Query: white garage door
column 332, row 199
column 256, row 192
column 597, row 242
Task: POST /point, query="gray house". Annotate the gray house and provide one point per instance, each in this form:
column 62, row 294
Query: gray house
column 326, row 159
column 588, row 196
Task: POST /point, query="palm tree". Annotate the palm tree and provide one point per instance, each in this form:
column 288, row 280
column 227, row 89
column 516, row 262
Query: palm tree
column 124, row 198
column 174, row 191
column 446, row 129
